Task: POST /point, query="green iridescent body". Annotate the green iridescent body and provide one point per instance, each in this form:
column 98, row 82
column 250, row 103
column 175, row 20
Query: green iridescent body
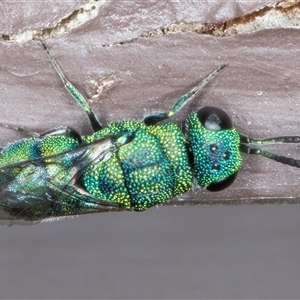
column 149, row 170
column 155, row 166
column 129, row 165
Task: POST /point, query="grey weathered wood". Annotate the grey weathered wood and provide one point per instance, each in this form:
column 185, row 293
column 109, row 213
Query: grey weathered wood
column 260, row 90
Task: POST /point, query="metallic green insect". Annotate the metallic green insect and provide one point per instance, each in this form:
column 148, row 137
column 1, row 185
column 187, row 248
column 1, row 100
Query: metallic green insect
column 128, row 165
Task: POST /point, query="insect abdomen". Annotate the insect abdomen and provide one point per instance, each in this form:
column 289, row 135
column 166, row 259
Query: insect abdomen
column 27, row 176
column 151, row 169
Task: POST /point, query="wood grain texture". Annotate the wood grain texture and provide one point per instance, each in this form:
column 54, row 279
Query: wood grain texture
column 260, row 90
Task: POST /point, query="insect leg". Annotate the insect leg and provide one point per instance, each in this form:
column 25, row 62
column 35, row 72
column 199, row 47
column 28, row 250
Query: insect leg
column 247, row 147
column 155, row 118
column 63, row 131
column 79, row 98
column 20, row 129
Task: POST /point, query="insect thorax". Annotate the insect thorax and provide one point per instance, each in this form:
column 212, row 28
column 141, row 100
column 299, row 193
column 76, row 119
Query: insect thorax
column 151, row 169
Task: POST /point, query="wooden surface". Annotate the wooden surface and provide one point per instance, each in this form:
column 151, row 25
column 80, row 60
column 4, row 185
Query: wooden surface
column 156, row 53
column 157, row 50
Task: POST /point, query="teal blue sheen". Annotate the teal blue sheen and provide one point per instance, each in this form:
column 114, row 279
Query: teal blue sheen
column 216, row 154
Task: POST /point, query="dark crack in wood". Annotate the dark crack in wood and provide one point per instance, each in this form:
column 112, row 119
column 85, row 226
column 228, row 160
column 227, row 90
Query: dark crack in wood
column 284, row 14
column 264, row 18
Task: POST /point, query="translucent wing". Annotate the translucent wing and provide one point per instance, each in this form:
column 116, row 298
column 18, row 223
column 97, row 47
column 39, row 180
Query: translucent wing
column 49, row 187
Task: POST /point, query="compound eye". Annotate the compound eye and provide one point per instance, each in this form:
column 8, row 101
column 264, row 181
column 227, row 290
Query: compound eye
column 222, row 183
column 213, row 118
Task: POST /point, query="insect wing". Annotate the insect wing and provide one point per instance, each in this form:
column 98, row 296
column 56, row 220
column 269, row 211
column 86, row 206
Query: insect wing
column 47, row 187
